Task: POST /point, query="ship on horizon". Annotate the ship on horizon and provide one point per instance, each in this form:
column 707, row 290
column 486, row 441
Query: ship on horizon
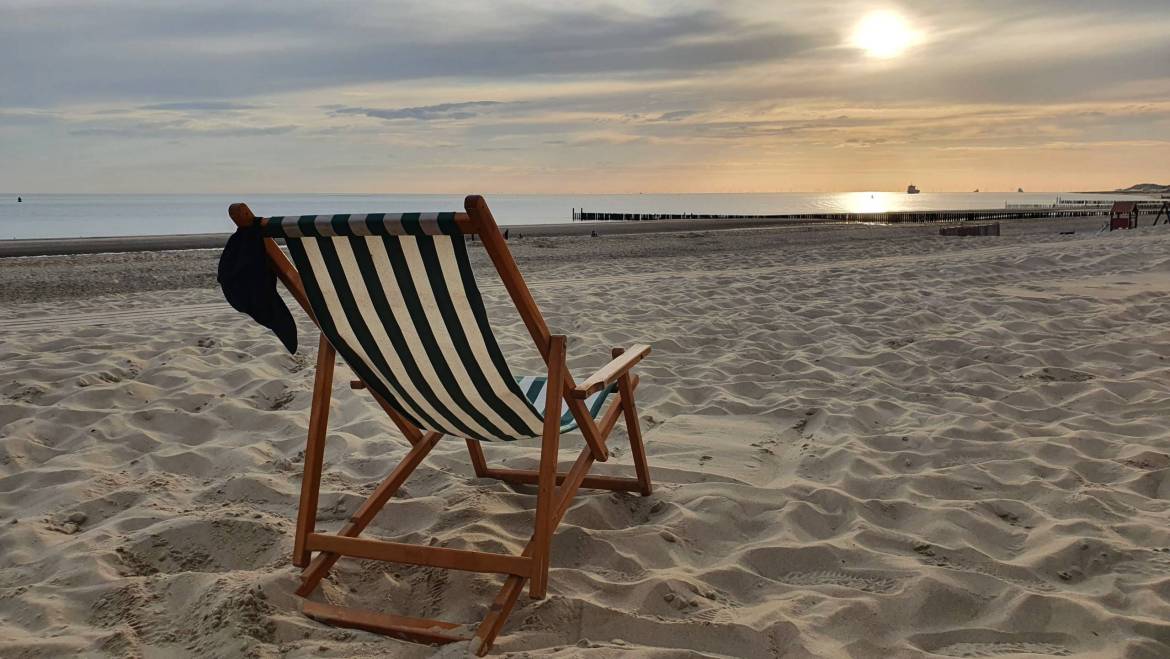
column 912, row 189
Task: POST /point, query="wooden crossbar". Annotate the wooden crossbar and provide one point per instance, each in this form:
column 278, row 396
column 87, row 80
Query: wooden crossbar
column 418, row 630
column 397, row 552
column 530, row 477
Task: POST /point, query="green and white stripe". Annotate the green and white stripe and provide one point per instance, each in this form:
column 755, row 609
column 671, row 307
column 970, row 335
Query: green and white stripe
column 535, row 388
column 396, row 296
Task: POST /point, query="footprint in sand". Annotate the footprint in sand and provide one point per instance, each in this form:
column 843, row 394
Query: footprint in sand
column 864, row 583
column 999, row 649
column 281, row 401
column 1056, row 374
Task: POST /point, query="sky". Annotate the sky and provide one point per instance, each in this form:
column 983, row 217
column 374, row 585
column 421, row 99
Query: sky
column 145, row 96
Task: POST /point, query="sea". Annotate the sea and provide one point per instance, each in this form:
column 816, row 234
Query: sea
column 92, row 215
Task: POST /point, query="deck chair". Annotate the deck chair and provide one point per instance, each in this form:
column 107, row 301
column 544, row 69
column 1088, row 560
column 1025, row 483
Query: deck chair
column 395, row 296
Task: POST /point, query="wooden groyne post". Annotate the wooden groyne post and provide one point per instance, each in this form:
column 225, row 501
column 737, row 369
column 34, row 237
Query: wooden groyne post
column 889, row 217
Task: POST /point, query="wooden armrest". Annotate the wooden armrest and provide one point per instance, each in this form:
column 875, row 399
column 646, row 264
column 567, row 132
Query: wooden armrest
column 611, row 372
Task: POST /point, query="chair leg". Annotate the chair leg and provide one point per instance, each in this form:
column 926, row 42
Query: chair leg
column 314, row 451
column 547, row 482
column 478, row 461
column 634, row 430
column 546, row 488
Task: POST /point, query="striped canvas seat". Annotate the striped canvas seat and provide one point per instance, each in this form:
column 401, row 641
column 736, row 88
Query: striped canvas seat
column 396, row 296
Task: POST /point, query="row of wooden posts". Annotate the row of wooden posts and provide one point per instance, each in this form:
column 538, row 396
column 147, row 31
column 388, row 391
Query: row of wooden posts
column 1151, row 205
column 889, row 217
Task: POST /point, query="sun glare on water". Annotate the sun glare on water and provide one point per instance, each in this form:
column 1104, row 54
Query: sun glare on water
column 884, row 35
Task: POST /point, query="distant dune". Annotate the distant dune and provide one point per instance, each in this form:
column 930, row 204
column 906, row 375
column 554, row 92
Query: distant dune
column 1144, row 189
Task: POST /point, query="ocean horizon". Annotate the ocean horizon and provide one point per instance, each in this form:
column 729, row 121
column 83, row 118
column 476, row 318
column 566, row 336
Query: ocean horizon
column 96, row 215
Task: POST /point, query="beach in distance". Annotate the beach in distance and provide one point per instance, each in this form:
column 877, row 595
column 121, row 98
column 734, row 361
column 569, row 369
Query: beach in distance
column 867, row 441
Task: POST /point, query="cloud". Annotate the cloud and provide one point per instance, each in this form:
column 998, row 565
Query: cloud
column 464, row 110
column 676, row 115
column 178, row 129
column 223, row 51
column 737, row 89
column 199, row 106
column 23, row 117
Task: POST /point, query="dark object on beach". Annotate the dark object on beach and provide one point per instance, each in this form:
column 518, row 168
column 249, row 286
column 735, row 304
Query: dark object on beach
column 1067, row 233
column 1163, row 212
column 505, row 234
column 593, row 233
column 971, row 230
column 1123, row 215
column 250, row 286
column 19, row 200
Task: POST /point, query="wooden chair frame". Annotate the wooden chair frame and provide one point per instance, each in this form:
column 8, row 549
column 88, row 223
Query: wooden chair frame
column 551, row 501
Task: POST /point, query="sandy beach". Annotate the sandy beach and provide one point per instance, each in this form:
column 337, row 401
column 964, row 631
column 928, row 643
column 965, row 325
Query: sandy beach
column 865, row 441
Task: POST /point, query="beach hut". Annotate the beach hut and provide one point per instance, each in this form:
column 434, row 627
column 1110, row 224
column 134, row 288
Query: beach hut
column 1123, row 215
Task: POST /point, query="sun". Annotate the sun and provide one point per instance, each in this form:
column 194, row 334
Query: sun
column 884, row 35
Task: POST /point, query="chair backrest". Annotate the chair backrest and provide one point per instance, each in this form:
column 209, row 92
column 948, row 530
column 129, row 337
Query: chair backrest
column 395, row 294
